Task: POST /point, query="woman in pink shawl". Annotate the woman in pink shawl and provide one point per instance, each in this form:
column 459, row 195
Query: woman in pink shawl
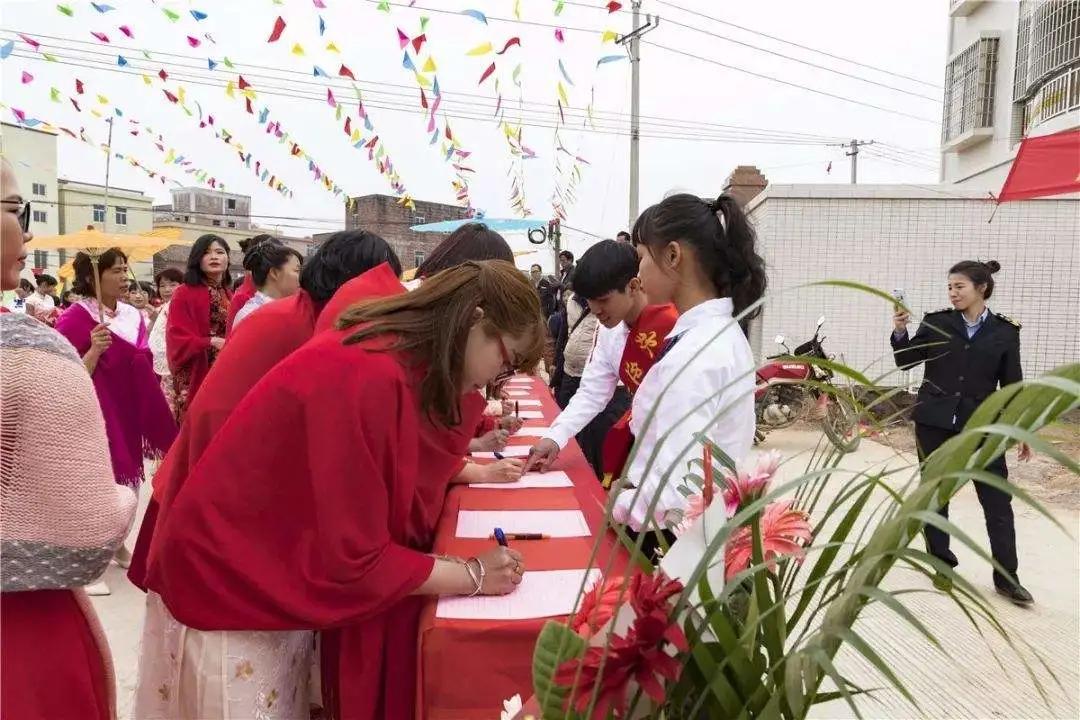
column 116, row 354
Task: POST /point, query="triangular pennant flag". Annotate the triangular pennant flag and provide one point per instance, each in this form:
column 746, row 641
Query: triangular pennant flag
column 230, row 89
column 227, row 61
column 483, row 49
column 407, row 63
column 320, row 72
column 297, row 49
column 348, row 125
column 54, row 94
column 423, row 99
column 65, row 10
column 422, row 80
column 609, row 59
column 476, row 15
column 263, row 114
column 509, row 44
column 322, row 26
column 242, row 83
column 487, row 74
column 100, row 36
column 613, row 6
column 403, row 39
column 102, row 100
column 173, row 16
column 562, row 69
column 193, row 41
column 198, row 15
column 49, row 57
column 429, row 65
column 172, row 98
column 279, row 27
column 247, row 106
column 418, row 42
column 210, row 63
column 423, row 23
column 346, row 72
column 162, row 74
column 435, row 91
column 331, row 47
column 102, row 8
column 146, row 80
column 609, row 36
column 330, row 98
column 121, row 60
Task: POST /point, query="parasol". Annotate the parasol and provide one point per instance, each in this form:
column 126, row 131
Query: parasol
column 496, row 224
column 94, row 243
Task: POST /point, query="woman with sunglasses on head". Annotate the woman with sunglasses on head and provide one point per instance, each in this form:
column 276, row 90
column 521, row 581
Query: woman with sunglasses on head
column 339, row 545
column 702, row 257
column 63, row 515
column 198, row 317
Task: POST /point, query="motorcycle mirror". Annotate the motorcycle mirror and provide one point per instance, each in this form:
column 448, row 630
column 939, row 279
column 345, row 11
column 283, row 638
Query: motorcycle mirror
column 821, row 321
column 779, row 340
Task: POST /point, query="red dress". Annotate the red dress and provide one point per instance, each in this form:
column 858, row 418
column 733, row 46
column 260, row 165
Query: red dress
column 196, row 313
column 51, row 664
column 311, row 485
column 245, row 292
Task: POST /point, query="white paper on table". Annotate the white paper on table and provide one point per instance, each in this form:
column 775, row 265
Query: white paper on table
column 555, row 523
column 517, row 393
column 533, row 431
column 512, row 451
column 528, row 403
column 531, row 415
column 542, row 593
column 550, row 479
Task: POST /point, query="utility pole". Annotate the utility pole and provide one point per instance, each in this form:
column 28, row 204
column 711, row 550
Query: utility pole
column 632, row 42
column 853, row 153
column 108, row 167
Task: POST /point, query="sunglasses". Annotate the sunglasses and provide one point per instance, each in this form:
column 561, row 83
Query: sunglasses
column 23, row 214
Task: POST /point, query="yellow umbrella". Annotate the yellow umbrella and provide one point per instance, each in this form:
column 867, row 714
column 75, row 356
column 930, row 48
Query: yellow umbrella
column 94, row 243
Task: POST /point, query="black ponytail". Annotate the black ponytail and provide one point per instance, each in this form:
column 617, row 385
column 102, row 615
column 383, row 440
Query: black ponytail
column 723, row 239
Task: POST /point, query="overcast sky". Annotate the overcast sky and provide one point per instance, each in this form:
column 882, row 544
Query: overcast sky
column 905, row 37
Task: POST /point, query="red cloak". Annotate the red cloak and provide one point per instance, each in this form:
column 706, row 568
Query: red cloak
column 298, row 516
column 245, row 292
column 377, row 282
column 187, row 335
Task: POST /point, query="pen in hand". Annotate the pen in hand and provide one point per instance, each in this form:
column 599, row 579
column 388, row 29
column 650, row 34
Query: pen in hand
column 500, row 537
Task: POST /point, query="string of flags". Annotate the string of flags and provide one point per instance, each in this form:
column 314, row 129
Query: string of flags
column 376, row 149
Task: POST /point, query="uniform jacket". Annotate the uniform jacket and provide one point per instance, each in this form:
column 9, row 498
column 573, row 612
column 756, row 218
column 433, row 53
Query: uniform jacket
column 960, row 372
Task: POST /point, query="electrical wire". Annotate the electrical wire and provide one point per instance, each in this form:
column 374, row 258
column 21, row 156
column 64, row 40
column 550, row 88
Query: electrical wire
column 575, row 114
column 790, row 84
column 786, row 42
column 652, row 132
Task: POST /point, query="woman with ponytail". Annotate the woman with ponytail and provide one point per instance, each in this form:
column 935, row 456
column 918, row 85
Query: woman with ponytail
column 969, row 352
column 702, row 257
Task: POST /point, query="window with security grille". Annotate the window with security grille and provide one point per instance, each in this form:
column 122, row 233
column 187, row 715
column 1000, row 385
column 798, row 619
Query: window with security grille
column 969, row 89
column 39, row 189
column 99, row 213
column 121, row 216
column 41, row 216
column 1046, row 82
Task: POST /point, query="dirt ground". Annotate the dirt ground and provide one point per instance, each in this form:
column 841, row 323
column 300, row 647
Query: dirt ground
column 1043, row 478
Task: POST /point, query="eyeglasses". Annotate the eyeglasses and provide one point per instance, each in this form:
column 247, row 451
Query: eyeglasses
column 23, row 214
column 508, row 363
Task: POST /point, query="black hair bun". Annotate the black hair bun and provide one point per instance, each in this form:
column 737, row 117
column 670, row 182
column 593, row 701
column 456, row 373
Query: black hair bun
column 992, row 265
column 716, row 204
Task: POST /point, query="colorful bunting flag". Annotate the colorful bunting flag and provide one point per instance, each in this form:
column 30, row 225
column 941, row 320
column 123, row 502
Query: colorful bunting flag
column 102, row 8
column 322, row 26
column 407, row 63
column 199, row 15
column 476, row 15
column 609, row 59
column 162, row 74
column 509, row 44
column 331, row 47
column 320, row 4
column 228, row 62
column 346, row 72
column 6, row 48
column 487, row 74
column 429, row 66
column 27, row 78
column 609, row 36
column 279, row 27
column 330, row 98
column 403, row 39
column 297, row 49
column 193, row 41
column 211, row 64
column 566, row 76
column 30, row 41
column 64, row 9
column 613, row 6
column 319, row 72
column 559, row 35
column 121, row 61
column 100, row 36
column 482, row 49
column 172, row 15
column 418, row 42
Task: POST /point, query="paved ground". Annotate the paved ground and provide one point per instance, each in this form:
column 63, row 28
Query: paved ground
column 969, row 685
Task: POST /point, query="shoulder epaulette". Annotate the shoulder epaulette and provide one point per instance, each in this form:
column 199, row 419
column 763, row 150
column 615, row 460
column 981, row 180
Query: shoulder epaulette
column 942, row 310
column 1009, row 320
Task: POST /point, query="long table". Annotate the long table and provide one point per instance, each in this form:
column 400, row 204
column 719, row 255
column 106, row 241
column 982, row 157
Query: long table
column 468, row 667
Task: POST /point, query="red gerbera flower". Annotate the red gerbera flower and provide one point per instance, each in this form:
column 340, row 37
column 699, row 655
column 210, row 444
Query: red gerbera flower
column 597, row 607
column 650, row 596
column 781, row 530
column 640, row 657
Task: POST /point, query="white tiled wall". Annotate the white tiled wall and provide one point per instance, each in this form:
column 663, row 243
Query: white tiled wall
column 910, row 244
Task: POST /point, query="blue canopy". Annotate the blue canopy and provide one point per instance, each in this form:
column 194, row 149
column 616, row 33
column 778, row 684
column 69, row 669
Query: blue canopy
column 497, row 224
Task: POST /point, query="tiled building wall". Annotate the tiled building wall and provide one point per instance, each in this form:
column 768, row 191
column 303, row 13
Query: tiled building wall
column 383, row 215
column 910, row 244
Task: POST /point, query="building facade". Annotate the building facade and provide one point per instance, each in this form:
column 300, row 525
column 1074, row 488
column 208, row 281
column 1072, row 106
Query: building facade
column 203, row 206
column 83, row 205
column 382, row 215
column 1013, row 70
column 32, row 154
column 907, row 237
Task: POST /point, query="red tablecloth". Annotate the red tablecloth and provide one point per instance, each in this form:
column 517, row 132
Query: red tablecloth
column 468, row 667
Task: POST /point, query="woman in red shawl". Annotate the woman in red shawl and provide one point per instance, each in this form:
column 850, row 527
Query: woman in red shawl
column 197, row 318
column 312, row 485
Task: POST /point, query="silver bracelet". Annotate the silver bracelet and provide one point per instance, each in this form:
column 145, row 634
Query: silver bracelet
column 483, row 573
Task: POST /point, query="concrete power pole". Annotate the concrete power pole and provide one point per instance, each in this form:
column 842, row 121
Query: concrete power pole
column 632, row 42
column 853, row 153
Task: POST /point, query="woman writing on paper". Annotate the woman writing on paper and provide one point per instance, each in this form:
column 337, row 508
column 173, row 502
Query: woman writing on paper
column 700, row 256
column 339, row 544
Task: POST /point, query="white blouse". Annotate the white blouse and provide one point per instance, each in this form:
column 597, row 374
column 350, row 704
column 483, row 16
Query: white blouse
column 714, row 395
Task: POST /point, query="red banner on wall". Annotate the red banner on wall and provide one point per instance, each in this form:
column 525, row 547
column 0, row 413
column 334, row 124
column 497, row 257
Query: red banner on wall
column 1044, row 165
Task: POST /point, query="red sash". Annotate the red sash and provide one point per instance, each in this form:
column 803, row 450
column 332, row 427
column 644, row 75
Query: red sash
column 640, row 352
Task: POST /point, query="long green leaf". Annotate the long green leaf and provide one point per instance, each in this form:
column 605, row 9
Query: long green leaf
column 556, row 644
column 856, row 641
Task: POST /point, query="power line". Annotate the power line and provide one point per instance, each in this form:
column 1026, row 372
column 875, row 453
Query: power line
column 577, row 114
column 790, row 84
column 793, row 44
column 655, row 132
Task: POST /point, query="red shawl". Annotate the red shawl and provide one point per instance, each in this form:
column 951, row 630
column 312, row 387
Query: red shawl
column 187, row 335
column 266, row 338
column 377, row 282
column 297, row 516
column 245, row 292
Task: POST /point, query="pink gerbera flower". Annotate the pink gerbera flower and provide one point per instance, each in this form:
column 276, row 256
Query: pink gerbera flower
column 747, row 484
column 782, row 530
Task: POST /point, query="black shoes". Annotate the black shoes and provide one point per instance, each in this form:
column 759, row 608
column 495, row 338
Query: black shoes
column 1016, row 593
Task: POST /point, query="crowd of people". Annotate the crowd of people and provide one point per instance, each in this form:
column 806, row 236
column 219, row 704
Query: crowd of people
column 305, row 422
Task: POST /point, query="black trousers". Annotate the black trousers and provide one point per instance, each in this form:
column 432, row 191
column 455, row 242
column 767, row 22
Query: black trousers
column 996, row 505
column 591, row 437
column 650, row 546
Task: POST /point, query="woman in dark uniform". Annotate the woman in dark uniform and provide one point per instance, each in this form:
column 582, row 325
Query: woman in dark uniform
column 969, row 351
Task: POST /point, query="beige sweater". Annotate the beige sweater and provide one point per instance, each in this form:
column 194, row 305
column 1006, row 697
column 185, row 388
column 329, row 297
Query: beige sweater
column 579, row 344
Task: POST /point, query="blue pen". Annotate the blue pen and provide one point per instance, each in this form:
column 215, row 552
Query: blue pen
column 500, row 537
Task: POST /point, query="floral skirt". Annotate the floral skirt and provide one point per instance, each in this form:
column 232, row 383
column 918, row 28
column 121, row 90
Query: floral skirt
column 188, row 674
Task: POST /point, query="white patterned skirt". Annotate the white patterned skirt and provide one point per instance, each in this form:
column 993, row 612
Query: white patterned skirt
column 187, row 674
